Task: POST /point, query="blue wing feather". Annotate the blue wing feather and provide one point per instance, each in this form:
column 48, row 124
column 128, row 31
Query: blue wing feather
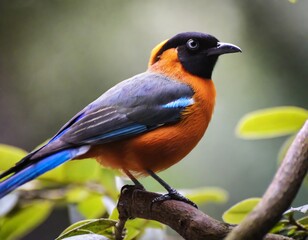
column 130, row 130
column 38, row 168
column 182, row 102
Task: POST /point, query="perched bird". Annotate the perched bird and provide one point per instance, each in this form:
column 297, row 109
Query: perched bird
column 142, row 125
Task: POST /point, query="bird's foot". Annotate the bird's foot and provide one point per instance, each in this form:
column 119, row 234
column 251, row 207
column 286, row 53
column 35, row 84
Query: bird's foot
column 174, row 195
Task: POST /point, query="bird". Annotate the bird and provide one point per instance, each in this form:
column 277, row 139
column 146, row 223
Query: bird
column 142, row 125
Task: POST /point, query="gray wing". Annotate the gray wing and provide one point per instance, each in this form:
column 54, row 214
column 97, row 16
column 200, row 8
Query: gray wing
column 134, row 106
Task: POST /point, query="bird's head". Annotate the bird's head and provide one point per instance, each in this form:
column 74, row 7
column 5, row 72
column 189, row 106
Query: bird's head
column 197, row 52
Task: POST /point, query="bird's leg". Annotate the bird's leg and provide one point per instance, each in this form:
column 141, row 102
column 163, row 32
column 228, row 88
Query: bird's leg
column 135, row 181
column 172, row 193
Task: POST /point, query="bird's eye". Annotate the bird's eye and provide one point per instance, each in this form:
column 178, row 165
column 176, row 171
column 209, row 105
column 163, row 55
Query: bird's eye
column 192, row 44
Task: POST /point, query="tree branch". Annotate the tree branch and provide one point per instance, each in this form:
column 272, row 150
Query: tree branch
column 188, row 221
column 280, row 194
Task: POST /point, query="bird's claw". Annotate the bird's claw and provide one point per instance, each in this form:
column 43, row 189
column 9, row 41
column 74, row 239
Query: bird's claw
column 174, row 195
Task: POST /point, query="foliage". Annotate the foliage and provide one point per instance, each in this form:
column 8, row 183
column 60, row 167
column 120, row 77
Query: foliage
column 239, row 211
column 288, row 225
column 23, row 219
column 271, row 122
column 89, row 188
column 94, row 226
column 267, row 123
column 292, row 227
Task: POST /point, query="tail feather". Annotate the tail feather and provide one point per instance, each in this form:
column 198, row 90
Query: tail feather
column 36, row 169
column 23, row 163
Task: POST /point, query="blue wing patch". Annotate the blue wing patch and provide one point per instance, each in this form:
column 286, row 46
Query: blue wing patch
column 130, row 130
column 179, row 103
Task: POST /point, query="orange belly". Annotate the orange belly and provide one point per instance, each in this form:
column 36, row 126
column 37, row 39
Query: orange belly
column 166, row 145
column 156, row 150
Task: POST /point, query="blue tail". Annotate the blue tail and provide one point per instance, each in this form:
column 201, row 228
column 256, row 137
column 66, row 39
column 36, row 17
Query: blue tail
column 38, row 168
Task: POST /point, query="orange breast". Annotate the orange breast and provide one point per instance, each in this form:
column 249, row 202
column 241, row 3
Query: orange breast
column 165, row 146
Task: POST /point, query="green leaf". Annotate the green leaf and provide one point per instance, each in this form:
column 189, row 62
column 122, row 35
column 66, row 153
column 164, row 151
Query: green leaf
column 114, row 215
column 271, row 122
column 77, row 171
column 138, row 226
column 76, row 225
column 107, row 177
column 9, row 155
column 20, row 222
column 278, row 227
column 83, row 170
column 76, row 194
column 94, row 226
column 141, row 224
column 131, row 233
column 291, row 232
column 206, row 194
column 303, row 221
column 239, row 211
column 92, row 206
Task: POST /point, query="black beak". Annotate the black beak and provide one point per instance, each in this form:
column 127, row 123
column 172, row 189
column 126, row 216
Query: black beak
column 223, row 48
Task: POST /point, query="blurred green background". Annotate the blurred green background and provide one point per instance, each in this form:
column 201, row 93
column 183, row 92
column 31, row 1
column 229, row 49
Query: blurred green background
column 57, row 56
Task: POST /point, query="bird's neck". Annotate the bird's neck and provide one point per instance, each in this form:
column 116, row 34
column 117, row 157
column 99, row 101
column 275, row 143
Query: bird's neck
column 170, row 66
